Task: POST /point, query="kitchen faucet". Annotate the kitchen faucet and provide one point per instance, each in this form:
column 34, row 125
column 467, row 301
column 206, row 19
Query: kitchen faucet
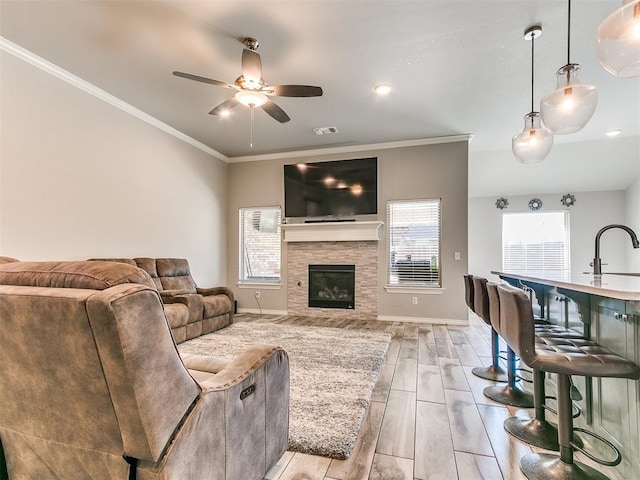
column 597, row 262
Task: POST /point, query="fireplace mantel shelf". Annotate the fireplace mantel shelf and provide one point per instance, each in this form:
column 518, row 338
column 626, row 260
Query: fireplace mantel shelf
column 331, row 232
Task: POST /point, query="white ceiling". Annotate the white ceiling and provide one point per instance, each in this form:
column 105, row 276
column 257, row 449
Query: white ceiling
column 456, row 67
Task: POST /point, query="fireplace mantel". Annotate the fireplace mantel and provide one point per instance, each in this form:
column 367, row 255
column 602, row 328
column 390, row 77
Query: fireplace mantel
column 331, row 232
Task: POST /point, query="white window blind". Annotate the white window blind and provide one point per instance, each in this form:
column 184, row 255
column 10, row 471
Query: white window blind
column 536, row 243
column 413, row 228
column 259, row 244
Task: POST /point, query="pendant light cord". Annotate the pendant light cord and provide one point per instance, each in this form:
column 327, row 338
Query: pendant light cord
column 569, row 33
column 533, row 39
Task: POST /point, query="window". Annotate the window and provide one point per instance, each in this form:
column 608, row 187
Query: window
column 259, row 244
column 536, row 243
column 413, row 227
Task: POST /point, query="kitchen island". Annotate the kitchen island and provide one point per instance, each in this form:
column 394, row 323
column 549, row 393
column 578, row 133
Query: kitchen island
column 604, row 308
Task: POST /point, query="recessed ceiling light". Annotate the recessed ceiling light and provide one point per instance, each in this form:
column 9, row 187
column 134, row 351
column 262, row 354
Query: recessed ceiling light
column 382, row 88
column 613, row 133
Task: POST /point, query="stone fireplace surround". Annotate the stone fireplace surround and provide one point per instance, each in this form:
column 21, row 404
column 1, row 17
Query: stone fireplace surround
column 316, row 244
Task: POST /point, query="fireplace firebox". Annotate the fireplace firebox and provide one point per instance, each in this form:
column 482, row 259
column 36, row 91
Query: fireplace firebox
column 332, row 286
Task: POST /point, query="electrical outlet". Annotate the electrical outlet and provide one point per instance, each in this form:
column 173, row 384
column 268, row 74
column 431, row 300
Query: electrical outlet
column 414, row 300
column 257, row 294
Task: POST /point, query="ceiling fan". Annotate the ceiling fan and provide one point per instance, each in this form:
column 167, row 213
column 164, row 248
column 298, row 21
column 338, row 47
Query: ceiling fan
column 251, row 89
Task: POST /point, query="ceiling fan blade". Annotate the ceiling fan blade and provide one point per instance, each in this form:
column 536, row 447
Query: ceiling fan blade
column 251, row 66
column 224, row 106
column 276, row 112
column 295, row 90
column 198, row 78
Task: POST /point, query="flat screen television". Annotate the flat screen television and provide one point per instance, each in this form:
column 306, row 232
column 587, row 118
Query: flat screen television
column 341, row 188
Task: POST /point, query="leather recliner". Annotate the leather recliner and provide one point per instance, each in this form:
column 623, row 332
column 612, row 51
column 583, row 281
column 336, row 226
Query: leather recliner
column 92, row 386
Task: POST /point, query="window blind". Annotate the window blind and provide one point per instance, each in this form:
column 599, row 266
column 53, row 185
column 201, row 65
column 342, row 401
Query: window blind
column 536, row 243
column 260, row 244
column 413, row 229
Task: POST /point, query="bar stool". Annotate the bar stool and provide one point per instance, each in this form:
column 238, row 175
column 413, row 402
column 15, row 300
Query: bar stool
column 537, row 431
column 564, row 357
column 468, row 291
column 509, row 394
column 481, row 308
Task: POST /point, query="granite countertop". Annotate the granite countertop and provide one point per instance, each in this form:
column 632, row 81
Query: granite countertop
column 610, row 285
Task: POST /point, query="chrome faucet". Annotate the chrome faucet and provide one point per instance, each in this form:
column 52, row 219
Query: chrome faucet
column 597, row 262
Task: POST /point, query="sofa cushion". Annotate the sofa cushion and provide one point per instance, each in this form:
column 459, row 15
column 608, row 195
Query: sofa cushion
column 174, row 274
column 149, row 266
column 215, row 305
column 91, row 275
column 177, row 314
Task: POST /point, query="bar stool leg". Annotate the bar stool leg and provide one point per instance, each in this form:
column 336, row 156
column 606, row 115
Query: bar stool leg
column 494, row 372
column 544, row 466
column 510, row 394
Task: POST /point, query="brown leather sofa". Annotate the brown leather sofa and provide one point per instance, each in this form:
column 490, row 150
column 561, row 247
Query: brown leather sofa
column 209, row 309
column 92, row 386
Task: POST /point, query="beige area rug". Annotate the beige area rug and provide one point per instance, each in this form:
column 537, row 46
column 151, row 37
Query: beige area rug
column 333, row 373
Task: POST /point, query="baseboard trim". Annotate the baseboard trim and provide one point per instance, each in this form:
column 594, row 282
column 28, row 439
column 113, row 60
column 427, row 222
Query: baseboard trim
column 262, row 312
column 425, row 320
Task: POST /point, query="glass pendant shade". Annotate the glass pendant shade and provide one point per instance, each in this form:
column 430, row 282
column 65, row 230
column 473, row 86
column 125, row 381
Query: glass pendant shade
column 618, row 41
column 534, row 143
column 571, row 105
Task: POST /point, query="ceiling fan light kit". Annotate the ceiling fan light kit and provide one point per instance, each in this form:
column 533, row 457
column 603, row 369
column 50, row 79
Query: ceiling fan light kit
column 618, row 41
column 251, row 98
column 571, row 105
column 534, row 143
column 251, row 90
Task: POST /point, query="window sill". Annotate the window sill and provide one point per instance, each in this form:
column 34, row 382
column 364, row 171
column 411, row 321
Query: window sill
column 415, row 290
column 262, row 285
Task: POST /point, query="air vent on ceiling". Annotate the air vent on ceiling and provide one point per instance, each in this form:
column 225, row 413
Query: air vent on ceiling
column 325, row 130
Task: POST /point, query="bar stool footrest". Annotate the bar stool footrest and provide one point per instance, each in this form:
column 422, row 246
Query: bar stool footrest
column 575, row 407
column 601, row 461
column 545, row 466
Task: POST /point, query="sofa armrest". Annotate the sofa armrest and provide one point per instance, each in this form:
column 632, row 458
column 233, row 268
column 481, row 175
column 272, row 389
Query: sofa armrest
column 203, row 363
column 242, row 366
column 242, row 416
column 216, row 291
column 193, row 301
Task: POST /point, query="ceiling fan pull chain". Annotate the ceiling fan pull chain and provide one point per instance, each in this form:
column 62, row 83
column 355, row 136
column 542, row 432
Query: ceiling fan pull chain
column 251, row 139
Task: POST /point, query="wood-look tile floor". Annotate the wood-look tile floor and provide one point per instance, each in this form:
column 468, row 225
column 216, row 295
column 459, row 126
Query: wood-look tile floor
column 428, row 418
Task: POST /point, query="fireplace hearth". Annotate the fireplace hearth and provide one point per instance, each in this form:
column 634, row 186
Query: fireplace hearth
column 332, row 286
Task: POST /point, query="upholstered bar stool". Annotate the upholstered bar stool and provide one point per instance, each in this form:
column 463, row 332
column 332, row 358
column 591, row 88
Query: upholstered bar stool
column 564, row 357
column 538, row 431
column 481, row 308
column 511, row 393
column 468, row 291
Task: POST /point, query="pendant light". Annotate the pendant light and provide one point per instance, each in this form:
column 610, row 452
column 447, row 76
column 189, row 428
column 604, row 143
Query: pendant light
column 618, row 40
column 571, row 105
column 534, row 143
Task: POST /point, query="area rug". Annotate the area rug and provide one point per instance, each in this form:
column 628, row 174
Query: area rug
column 333, row 372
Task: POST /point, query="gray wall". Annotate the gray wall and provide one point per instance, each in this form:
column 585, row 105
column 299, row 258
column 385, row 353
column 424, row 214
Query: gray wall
column 592, row 211
column 427, row 171
column 81, row 178
column 632, row 202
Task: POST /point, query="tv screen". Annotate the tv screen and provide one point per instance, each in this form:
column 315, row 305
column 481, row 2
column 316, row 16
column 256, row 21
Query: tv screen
column 339, row 188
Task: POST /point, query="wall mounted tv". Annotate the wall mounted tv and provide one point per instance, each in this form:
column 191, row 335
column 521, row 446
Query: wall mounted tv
column 341, row 188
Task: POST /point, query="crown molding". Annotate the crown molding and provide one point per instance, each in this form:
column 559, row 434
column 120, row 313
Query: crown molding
column 466, row 137
column 46, row 66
